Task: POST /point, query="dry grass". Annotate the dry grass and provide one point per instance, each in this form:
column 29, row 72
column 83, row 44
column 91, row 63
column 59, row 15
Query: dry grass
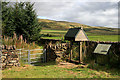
column 18, row 42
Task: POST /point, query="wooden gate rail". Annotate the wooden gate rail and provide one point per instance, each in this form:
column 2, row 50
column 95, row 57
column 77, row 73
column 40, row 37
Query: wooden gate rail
column 28, row 59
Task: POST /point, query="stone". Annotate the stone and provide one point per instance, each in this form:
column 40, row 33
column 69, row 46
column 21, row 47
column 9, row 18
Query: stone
column 13, row 61
column 16, row 58
column 9, row 57
column 3, row 56
column 10, row 64
column 3, row 64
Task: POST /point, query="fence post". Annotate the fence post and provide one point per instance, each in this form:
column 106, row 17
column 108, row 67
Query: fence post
column 71, row 43
column 28, row 56
column 20, row 53
column 44, row 55
column 46, row 52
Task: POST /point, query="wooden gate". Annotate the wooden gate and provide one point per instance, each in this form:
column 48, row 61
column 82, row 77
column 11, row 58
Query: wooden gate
column 32, row 56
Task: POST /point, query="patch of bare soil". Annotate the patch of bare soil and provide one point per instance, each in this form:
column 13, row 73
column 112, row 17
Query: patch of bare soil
column 67, row 65
column 70, row 65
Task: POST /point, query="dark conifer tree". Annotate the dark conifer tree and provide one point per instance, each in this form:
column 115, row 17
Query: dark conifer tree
column 22, row 20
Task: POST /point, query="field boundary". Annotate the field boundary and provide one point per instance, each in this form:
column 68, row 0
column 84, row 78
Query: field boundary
column 109, row 42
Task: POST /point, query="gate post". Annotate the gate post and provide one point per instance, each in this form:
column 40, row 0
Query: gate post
column 45, row 52
column 71, row 43
column 44, row 55
column 28, row 56
column 20, row 53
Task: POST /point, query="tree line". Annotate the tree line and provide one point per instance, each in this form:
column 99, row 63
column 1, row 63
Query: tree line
column 20, row 18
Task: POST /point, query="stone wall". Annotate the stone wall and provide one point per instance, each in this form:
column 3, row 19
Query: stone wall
column 112, row 58
column 51, row 56
column 9, row 57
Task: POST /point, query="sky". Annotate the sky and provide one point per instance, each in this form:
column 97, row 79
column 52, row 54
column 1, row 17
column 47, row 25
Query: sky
column 89, row 12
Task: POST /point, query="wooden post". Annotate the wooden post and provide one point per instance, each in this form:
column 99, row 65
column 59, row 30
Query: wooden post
column 28, row 56
column 44, row 52
column 61, row 45
column 20, row 53
column 55, row 47
column 70, row 50
column 80, row 52
column 84, row 50
column 45, row 55
column 50, row 44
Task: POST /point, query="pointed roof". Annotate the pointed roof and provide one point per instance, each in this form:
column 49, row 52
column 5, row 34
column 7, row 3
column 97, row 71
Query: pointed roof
column 72, row 32
column 76, row 34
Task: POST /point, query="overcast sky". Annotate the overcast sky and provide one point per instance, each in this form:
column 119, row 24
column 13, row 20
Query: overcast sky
column 89, row 13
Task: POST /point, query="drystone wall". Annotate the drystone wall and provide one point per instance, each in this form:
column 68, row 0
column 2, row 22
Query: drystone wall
column 112, row 57
column 9, row 57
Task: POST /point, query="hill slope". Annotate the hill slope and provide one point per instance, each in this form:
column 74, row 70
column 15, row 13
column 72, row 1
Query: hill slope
column 63, row 25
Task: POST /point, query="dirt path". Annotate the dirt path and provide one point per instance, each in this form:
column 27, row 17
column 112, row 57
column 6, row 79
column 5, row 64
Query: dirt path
column 70, row 65
column 67, row 65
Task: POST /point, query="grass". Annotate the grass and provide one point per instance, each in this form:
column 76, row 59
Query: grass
column 53, row 30
column 59, row 34
column 51, row 70
column 103, row 37
column 52, row 37
column 19, row 42
column 64, row 25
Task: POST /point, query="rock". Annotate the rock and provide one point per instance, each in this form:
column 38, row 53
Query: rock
column 10, row 64
column 16, row 58
column 3, row 57
column 3, row 64
column 13, row 61
column 9, row 57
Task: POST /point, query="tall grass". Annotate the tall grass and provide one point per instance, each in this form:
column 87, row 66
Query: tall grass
column 18, row 42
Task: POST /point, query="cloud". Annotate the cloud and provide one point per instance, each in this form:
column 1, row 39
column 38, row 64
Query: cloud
column 60, row 0
column 89, row 13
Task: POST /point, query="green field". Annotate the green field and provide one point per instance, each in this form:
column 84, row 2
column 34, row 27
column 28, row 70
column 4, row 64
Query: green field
column 59, row 34
column 52, row 70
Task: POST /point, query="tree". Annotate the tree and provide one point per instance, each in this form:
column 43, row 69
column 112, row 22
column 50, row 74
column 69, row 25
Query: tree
column 0, row 18
column 23, row 21
column 7, row 28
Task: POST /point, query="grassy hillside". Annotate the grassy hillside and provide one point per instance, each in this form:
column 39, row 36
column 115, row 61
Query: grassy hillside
column 63, row 25
column 57, row 29
column 59, row 34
